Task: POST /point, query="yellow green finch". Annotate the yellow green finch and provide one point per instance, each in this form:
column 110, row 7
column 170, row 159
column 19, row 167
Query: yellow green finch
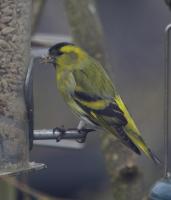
column 90, row 93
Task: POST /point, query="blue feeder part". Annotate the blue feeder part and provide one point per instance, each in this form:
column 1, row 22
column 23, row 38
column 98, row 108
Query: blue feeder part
column 161, row 190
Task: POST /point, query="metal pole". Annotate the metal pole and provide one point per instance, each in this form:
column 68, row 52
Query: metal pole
column 59, row 134
column 166, row 97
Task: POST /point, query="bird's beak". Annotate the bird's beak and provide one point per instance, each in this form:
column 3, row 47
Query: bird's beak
column 47, row 59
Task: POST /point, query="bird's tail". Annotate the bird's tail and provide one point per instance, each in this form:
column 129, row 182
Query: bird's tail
column 154, row 157
column 139, row 142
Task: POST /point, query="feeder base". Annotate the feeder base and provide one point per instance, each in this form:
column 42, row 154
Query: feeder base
column 29, row 167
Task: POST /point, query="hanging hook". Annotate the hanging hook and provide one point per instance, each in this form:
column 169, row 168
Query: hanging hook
column 28, row 93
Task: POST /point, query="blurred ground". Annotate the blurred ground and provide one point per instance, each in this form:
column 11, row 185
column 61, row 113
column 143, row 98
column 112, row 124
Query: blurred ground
column 134, row 42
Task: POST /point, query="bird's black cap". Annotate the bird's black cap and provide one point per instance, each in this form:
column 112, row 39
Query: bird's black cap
column 55, row 50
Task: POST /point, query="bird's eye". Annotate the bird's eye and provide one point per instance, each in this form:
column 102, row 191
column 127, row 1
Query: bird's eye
column 55, row 52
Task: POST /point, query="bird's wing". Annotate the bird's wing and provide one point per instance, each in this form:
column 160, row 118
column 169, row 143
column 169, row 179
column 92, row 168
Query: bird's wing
column 95, row 89
column 107, row 114
column 114, row 118
column 93, row 104
column 94, row 93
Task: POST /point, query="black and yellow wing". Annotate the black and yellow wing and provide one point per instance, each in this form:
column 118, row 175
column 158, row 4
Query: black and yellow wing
column 95, row 94
column 105, row 113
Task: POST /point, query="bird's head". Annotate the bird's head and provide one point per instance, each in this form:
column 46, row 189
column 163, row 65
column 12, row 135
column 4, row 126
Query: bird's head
column 64, row 55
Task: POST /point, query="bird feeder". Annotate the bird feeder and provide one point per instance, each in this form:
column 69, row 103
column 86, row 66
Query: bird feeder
column 15, row 24
column 162, row 189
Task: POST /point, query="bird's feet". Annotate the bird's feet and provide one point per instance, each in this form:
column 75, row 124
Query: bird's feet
column 80, row 132
column 59, row 132
column 84, row 132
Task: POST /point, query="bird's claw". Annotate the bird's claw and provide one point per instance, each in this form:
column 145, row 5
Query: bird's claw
column 84, row 132
column 87, row 130
column 61, row 132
